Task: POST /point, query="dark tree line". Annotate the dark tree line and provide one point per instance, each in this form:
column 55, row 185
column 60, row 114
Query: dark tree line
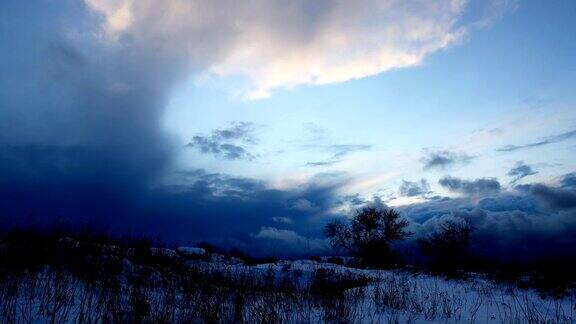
column 370, row 234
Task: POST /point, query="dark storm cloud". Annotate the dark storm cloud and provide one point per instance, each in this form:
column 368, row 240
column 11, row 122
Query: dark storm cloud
column 227, row 142
column 521, row 170
column 467, row 187
column 231, row 211
column 445, row 159
column 412, row 189
column 544, row 141
column 80, row 137
column 81, row 142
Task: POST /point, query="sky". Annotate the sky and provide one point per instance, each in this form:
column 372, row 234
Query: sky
column 254, row 123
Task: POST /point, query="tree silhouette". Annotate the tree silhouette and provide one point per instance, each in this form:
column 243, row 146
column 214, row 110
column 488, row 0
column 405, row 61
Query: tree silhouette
column 369, row 234
column 449, row 246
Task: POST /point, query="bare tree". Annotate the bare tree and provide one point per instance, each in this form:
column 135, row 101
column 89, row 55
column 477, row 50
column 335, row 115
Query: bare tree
column 369, row 234
column 449, row 245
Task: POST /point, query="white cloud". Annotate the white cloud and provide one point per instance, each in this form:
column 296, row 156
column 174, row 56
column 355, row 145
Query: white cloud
column 304, row 205
column 118, row 13
column 284, row 220
column 281, row 44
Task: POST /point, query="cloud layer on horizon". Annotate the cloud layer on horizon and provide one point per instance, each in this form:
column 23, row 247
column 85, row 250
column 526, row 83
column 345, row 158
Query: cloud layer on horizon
column 528, row 223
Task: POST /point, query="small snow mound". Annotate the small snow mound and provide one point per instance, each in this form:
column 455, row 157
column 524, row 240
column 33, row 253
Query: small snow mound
column 68, row 242
column 305, row 262
column 191, row 251
column 342, row 260
column 163, row 252
column 127, row 265
column 235, row 261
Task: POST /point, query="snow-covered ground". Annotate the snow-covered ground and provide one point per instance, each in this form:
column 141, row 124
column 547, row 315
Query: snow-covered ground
column 223, row 289
column 418, row 298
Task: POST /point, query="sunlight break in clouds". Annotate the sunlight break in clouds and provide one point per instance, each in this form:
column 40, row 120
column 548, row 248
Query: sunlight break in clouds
column 282, row 44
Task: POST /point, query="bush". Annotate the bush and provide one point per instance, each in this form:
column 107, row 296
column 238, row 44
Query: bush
column 449, row 247
column 369, row 235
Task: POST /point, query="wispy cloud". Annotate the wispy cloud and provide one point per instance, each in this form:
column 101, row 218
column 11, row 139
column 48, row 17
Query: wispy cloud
column 339, row 152
column 314, row 132
column 470, row 187
column 414, row 188
column 444, row 159
column 227, row 142
column 321, row 163
column 521, row 170
column 544, row 141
